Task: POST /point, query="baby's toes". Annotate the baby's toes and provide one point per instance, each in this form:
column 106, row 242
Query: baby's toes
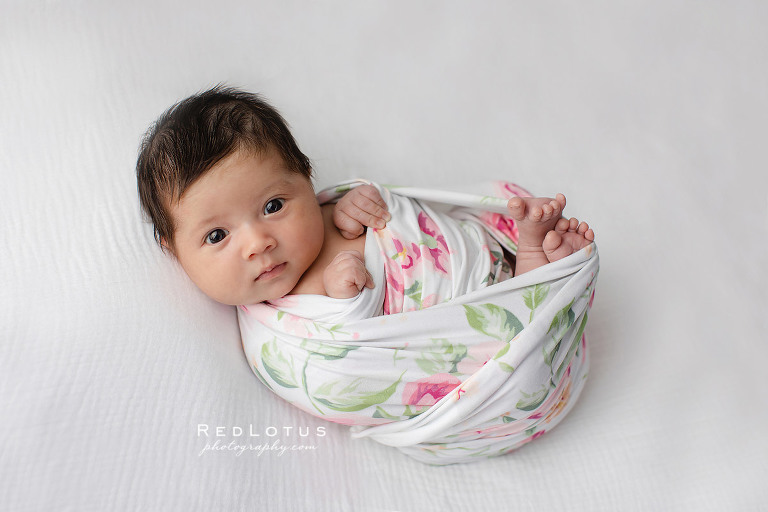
column 555, row 247
column 590, row 235
column 536, row 213
column 583, row 227
column 516, row 207
column 562, row 225
column 548, row 210
column 556, row 207
column 560, row 199
column 552, row 241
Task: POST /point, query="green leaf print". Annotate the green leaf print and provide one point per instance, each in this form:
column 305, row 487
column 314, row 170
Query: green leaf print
column 496, row 257
column 277, row 365
column 562, row 321
column 429, row 241
column 550, row 349
column 503, row 351
column 350, row 399
column 260, row 377
column 407, row 413
column 534, row 296
column 560, row 324
column 326, row 350
column 531, row 402
column 575, row 344
column 443, row 357
column 381, row 413
column 493, row 321
column 493, row 200
column 332, row 331
column 506, row 367
column 414, row 293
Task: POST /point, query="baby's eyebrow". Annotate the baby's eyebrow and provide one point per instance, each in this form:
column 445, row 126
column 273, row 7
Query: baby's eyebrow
column 279, row 185
column 206, row 222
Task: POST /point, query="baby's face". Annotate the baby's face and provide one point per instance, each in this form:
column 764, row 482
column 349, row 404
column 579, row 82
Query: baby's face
column 248, row 229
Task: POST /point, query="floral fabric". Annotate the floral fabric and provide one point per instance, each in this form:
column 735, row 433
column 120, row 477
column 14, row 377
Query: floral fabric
column 448, row 358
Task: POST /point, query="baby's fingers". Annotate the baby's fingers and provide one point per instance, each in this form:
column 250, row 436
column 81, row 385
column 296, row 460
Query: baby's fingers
column 369, row 208
column 351, row 264
column 349, row 227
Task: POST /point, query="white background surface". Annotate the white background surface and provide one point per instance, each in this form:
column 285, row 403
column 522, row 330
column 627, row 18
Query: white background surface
column 649, row 115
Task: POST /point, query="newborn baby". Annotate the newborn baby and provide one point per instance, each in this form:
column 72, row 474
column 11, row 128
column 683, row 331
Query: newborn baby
column 230, row 196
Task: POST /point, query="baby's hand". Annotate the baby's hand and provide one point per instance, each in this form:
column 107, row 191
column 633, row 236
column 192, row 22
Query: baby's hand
column 361, row 206
column 346, row 275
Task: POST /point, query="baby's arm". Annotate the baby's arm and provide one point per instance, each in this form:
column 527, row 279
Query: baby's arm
column 346, row 275
column 360, row 207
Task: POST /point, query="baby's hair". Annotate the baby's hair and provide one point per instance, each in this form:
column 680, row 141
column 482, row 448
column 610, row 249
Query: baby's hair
column 194, row 135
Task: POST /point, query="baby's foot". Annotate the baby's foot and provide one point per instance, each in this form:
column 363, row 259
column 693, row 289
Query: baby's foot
column 568, row 237
column 535, row 217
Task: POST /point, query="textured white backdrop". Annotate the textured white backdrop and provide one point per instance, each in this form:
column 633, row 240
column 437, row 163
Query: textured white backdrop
column 649, row 115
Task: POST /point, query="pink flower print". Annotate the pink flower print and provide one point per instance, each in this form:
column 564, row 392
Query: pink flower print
column 287, row 301
column 478, row 355
column 435, row 243
column 508, row 226
column 288, row 323
column 429, row 390
column 398, row 268
column 508, row 190
column 393, row 298
column 263, row 313
column 592, row 298
column 429, row 301
column 503, row 430
column 502, row 224
column 297, row 326
column 560, row 405
column 408, row 259
column 526, row 441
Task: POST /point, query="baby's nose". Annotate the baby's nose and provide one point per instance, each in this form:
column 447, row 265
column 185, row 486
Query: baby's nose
column 257, row 243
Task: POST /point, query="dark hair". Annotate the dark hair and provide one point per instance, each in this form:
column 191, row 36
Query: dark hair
column 194, row 135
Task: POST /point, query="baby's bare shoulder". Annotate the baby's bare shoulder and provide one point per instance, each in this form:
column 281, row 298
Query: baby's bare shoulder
column 334, row 241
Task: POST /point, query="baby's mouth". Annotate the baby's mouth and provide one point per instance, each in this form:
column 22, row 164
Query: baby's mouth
column 271, row 272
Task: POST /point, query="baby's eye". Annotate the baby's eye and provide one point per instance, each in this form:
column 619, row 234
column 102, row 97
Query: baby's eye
column 215, row 236
column 273, row 206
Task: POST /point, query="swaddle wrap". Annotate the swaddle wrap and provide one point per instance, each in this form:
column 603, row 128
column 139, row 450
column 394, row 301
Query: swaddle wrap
column 446, row 358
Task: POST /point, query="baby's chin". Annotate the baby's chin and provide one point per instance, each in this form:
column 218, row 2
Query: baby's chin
column 234, row 300
column 246, row 300
column 228, row 301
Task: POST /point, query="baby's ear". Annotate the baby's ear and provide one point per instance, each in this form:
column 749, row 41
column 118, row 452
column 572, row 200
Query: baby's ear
column 166, row 246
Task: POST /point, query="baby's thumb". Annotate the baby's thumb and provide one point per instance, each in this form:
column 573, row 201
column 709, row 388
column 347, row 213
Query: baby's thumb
column 347, row 235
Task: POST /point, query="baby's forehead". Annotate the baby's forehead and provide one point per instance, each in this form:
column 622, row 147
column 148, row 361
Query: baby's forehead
column 234, row 185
